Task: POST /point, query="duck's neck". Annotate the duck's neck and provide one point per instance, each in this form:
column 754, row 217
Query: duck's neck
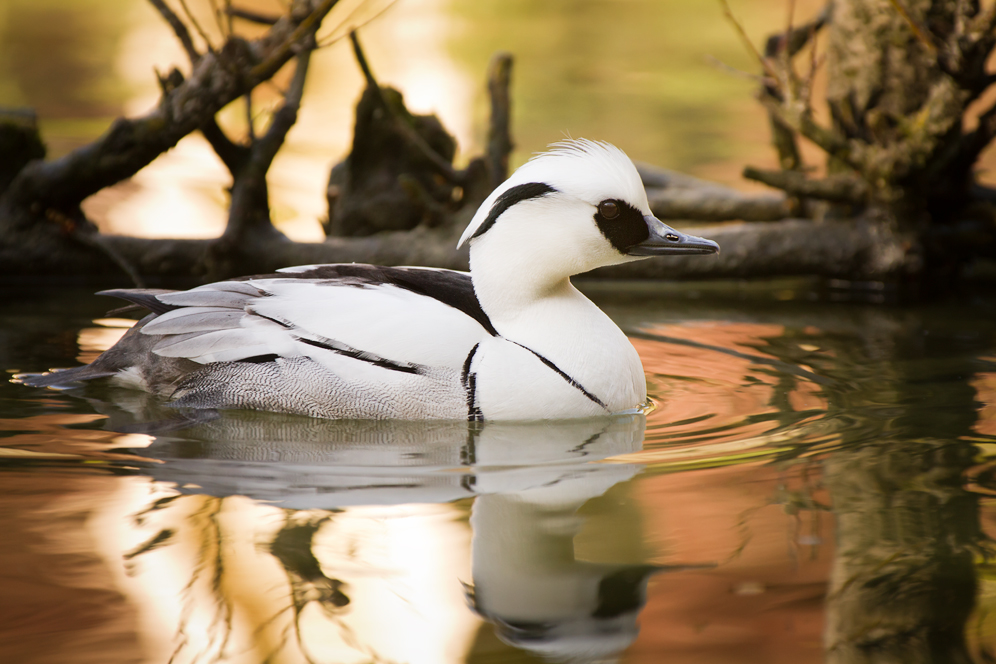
column 517, row 295
column 546, row 314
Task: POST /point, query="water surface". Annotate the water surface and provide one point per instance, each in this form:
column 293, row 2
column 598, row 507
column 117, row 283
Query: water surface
column 815, row 484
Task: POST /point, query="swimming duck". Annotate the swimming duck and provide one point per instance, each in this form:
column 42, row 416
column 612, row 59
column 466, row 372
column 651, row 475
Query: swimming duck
column 512, row 339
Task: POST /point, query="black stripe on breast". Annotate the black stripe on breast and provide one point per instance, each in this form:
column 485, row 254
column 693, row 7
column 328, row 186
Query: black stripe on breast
column 469, row 382
column 573, row 383
column 452, row 288
column 348, row 351
column 516, row 194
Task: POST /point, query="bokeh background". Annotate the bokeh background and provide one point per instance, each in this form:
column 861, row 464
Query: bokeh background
column 644, row 74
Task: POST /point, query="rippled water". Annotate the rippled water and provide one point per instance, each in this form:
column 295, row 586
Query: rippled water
column 814, row 484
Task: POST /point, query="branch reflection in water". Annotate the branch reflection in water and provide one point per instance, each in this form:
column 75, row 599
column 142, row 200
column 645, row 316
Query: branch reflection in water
column 354, row 506
column 821, row 473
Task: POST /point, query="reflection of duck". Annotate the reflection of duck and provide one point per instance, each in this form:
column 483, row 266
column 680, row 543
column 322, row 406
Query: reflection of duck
column 305, row 463
column 513, row 339
column 352, row 557
column 528, row 582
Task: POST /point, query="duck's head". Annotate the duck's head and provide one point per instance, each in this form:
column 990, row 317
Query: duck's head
column 579, row 206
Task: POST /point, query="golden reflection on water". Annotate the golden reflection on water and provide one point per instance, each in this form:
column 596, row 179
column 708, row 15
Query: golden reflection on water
column 254, row 538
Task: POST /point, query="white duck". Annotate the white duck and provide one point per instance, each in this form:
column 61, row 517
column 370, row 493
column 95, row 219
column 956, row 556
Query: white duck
column 511, row 340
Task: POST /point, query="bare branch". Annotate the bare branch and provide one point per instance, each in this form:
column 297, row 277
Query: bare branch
column 675, row 195
column 765, row 65
column 178, row 28
column 130, row 144
column 197, row 26
column 829, row 140
column 919, row 31
column 716, row 205
column 286, row 115
column 438, row 162
column 834, row 188
column 232, row 154
column 254, row 17
column 499, row 133
column 794, row 40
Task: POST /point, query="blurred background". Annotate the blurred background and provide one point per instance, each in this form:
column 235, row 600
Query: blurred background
column 644, row 74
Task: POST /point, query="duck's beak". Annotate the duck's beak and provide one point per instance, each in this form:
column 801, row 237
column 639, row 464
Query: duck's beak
column 665, row 241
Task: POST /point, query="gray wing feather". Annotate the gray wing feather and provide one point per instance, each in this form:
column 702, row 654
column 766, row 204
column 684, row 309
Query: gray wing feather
column 240, row 343
column 195, row 319
column 208, row 298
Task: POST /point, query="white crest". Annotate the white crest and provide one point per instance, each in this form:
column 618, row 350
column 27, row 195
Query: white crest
column 591, row 171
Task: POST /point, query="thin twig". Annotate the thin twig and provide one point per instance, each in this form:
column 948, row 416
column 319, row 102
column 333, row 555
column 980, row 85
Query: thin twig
column 178, row 28
column 255, row 17
column 733, row 71
column 216, row 12
column 786, row 55
column 442, row 165
column 768, row 69
column 499, row 135
column 918, row 31
column 814, row 65
column 249, row 119
column 197, row 26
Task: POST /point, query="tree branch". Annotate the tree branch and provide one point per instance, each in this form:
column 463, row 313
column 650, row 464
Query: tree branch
column 179, row 29
column 499, row 134
column 834, row 188
column 716, row 205
column 438, row 162
column 846, row 249
column 130, row 144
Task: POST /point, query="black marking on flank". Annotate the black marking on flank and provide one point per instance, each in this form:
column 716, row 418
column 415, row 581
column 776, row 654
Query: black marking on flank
column 260, row 359
column 469, row 382
column 452, row 288
column 626, row 229
column 363, row 356
column 516, row 194
column 573, row 383
column 282, row 323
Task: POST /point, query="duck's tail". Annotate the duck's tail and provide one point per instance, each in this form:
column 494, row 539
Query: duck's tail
column 114, row 360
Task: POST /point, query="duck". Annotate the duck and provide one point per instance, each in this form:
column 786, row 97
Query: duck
column 512, row 339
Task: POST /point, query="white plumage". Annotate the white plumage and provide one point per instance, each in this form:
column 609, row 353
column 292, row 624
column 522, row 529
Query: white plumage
column 512, row 339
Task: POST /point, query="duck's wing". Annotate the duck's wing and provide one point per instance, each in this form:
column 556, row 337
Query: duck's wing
column 396, row 318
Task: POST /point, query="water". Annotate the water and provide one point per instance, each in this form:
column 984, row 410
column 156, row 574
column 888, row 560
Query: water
column 815, row 484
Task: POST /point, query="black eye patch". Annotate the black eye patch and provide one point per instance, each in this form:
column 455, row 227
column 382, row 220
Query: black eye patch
column 624, row 230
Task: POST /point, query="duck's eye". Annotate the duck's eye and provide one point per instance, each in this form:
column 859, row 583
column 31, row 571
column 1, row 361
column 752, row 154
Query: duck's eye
column 608, row 209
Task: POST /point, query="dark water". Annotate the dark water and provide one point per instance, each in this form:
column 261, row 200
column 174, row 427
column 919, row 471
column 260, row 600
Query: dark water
column 815, row 484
